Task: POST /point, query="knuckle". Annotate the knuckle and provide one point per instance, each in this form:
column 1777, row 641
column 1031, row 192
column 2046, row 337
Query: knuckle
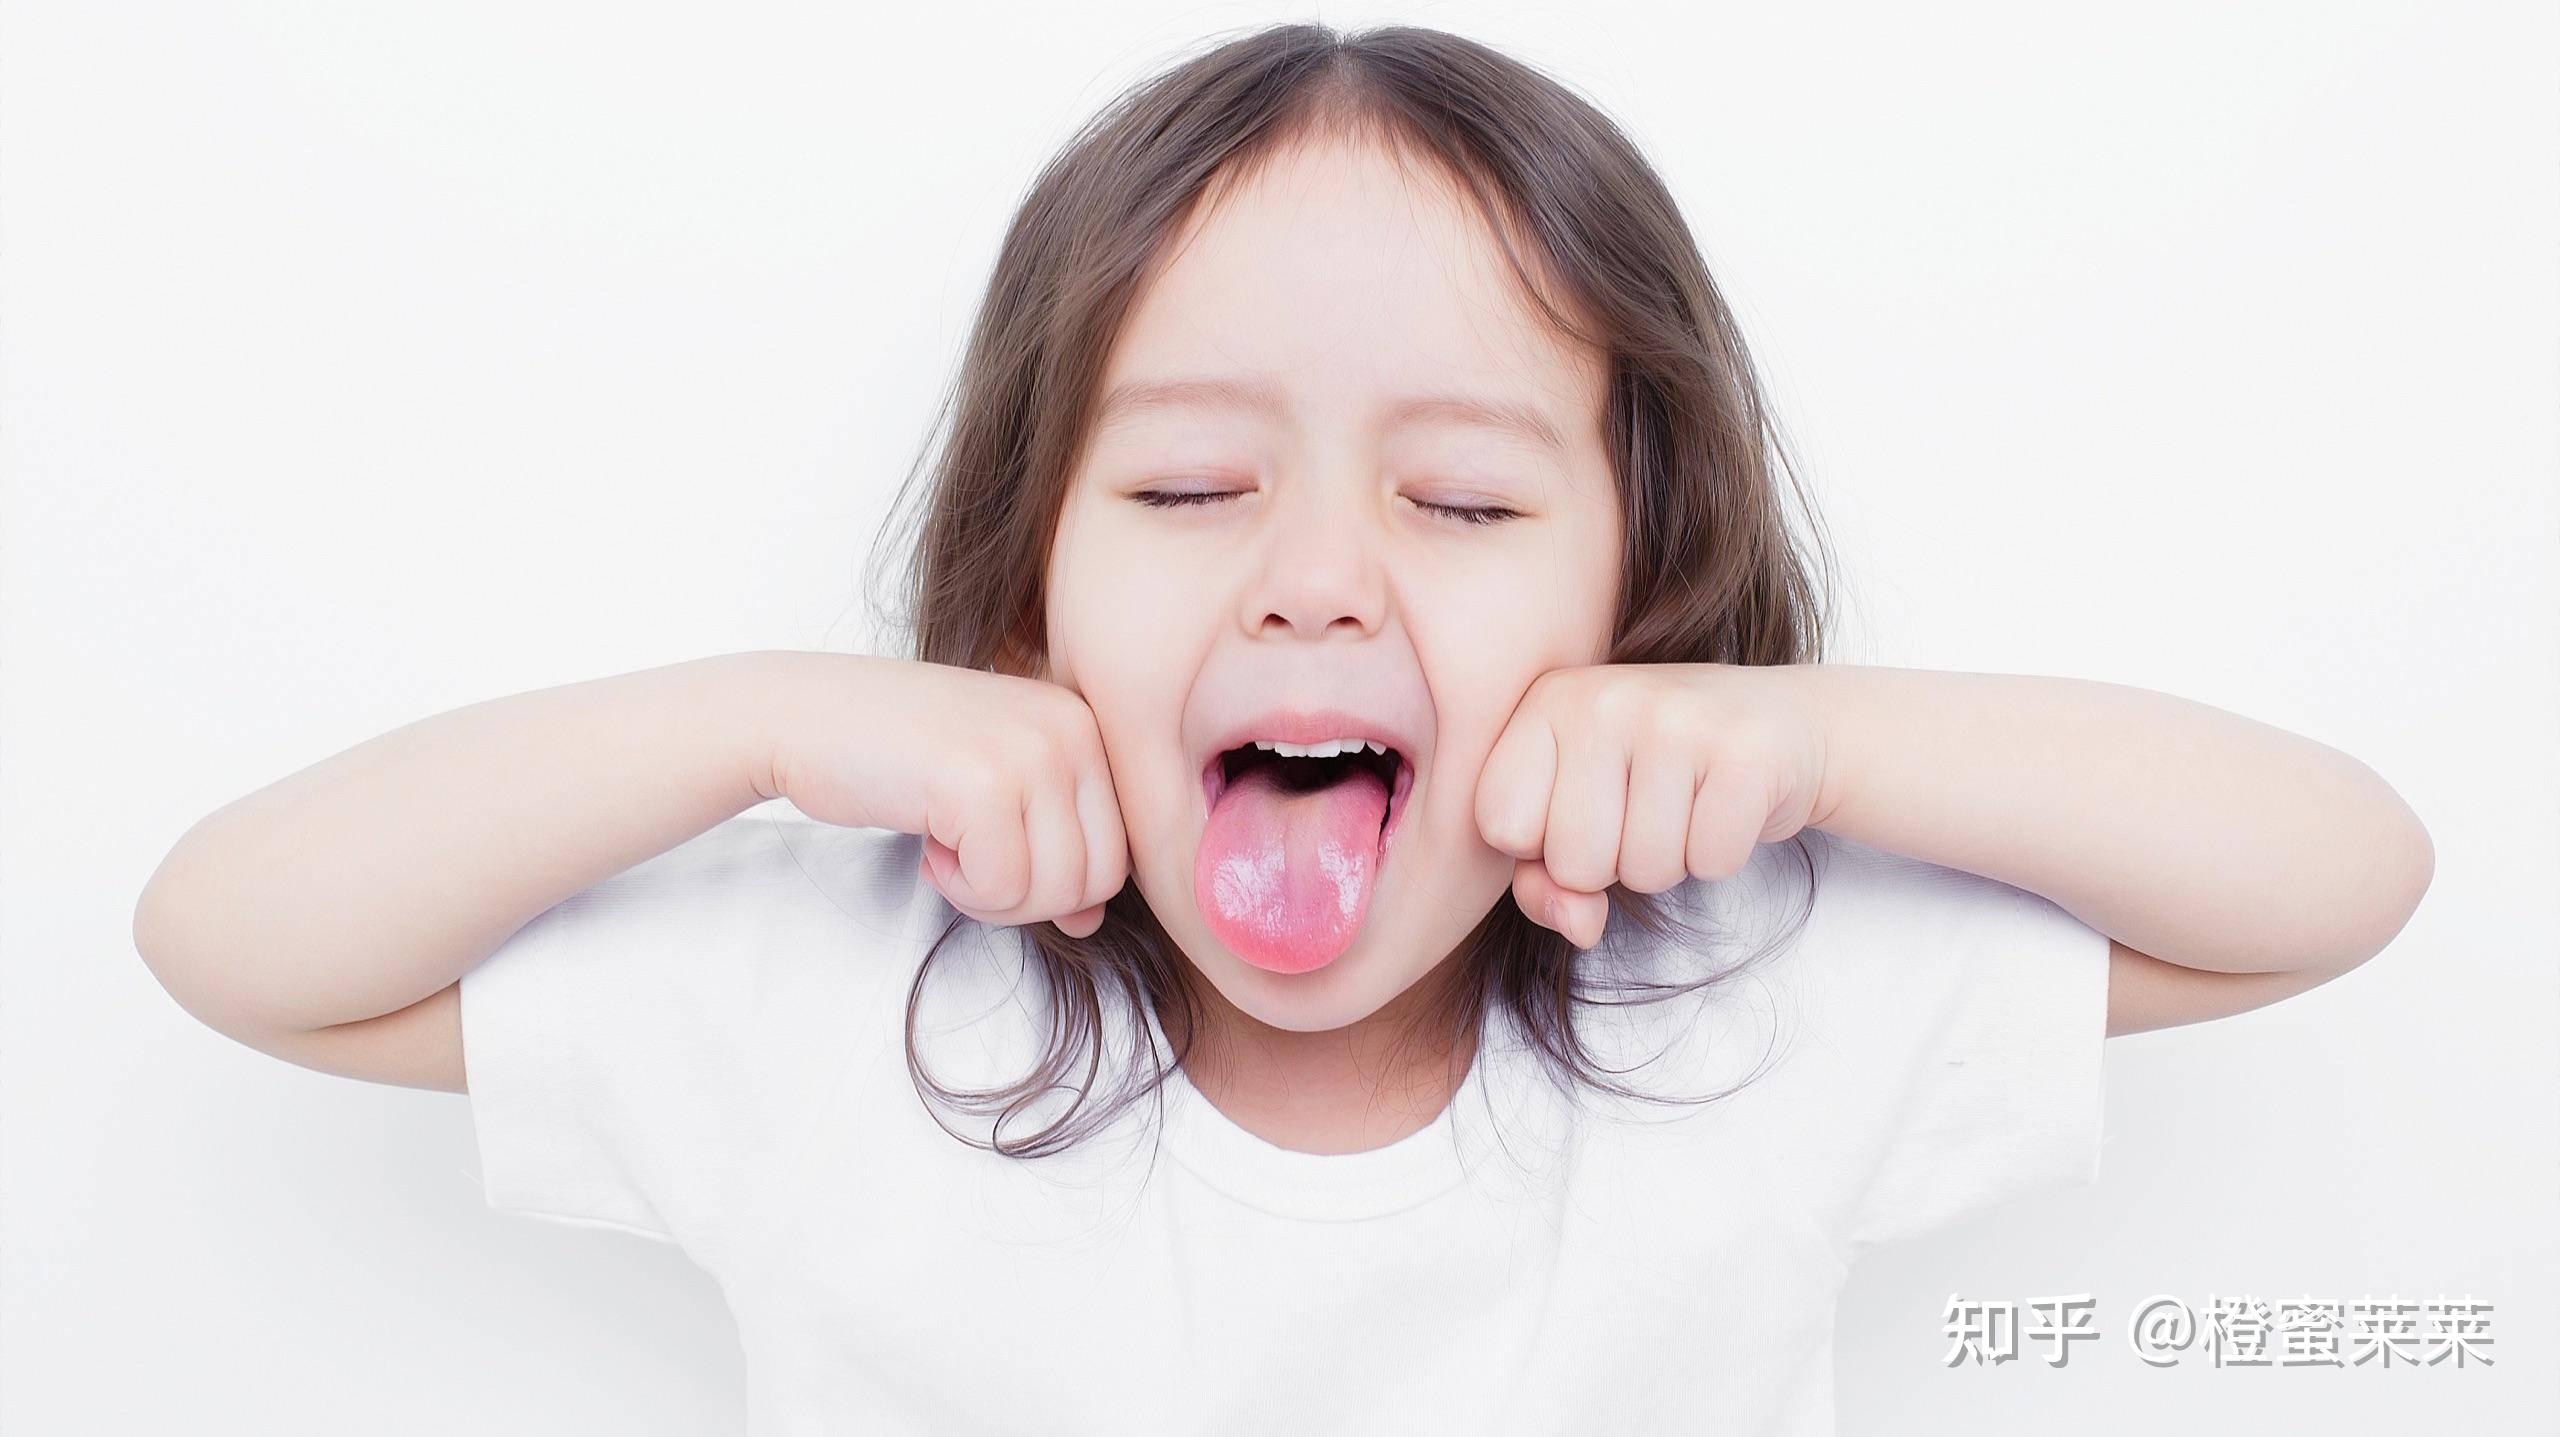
column 1045, row 769
column 1112, row 865
column 1069, row 721
column 1024, row 746
column 1677, row 721
column 1618, row 698
column 1750, row 741
column 1509, row 834
column 1004, row 871
column 1061, row 889
column 1755, row 781
column 1107, row 852
column 1651, row 876
column 1059, row 744
column 1045, row 904
column 1578, row 870
column 1071, row 757
column 1715, row 862
column 976, row 778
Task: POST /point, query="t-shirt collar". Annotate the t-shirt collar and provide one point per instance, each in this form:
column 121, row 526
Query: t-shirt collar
column 1327, row 1187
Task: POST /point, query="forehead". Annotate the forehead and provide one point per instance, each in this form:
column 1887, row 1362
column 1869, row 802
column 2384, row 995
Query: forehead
column 1335, row 281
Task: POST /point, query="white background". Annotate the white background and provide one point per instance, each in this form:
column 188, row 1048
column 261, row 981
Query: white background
column 362, row 362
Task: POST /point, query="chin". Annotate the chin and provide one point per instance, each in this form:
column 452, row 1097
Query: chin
column 1370, row 972
column 1352, row 987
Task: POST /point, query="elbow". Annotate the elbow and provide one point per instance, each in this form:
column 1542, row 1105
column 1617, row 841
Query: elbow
column 2418, row 874
column 2411, row 866
column 167, row 936
column 2400, row 867
column 159, row 917
column 2422, row 862
column 154, row 940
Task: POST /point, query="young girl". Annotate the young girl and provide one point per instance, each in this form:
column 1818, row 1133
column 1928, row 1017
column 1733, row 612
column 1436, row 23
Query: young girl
column 1363, row 909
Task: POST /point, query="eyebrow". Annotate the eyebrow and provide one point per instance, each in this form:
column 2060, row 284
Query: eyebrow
column 1256, row 396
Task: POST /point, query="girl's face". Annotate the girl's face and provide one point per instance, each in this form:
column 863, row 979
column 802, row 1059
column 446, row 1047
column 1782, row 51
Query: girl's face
column 1305, row 314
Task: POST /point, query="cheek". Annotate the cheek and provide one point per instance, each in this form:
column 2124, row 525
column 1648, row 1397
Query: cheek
column 1103, row 602
column 1107, row 585
column 1133, row 666
column 1485, row 638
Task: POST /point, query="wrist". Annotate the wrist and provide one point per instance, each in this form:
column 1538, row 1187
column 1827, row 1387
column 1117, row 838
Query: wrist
column 1822, row 687
column 761, row 696
column 780, row 697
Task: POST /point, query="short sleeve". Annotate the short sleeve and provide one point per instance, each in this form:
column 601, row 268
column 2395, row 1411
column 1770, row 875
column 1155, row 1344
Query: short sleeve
column 644, row 1055
column 1948, row 1048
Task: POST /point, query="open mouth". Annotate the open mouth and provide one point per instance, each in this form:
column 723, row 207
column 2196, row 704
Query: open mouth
column 1288, row 861
column 1307, row 775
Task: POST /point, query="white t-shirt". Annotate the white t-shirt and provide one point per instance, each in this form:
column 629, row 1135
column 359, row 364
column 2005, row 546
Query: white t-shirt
column 707, row 1050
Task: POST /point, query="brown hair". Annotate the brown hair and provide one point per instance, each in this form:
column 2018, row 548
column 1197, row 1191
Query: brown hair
column 1710, row 570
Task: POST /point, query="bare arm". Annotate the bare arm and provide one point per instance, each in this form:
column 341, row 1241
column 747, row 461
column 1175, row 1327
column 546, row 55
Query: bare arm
column 327, row 917
column 2232, row 863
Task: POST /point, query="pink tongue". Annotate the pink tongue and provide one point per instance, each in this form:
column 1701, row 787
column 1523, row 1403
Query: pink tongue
column 1283, row 878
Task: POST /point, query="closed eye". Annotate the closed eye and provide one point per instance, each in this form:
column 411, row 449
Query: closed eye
column 1177, row 499
column 1489, row 514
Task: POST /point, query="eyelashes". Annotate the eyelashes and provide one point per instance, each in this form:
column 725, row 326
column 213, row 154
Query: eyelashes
column 1175, row 499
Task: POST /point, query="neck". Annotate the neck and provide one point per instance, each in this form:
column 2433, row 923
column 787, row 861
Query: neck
column 1342, row 1090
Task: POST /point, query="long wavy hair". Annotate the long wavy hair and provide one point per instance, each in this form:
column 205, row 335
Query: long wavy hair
column 1711, row 571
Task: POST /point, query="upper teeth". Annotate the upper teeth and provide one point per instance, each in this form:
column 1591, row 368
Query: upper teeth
column 1330, row 748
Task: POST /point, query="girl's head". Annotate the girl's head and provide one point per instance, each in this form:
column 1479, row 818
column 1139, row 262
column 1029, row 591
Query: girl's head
column 1372, row 372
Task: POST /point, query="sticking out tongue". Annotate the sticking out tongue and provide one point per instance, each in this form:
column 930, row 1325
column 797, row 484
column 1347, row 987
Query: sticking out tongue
column 1283, row 876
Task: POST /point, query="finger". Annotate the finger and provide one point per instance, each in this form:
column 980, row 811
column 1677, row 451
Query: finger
column 1733, row 806
column 1512, row 791
column 941, row 865
column 1580, row 917
column 1056, row 838
column 995, row 859
column 1586, row 812
column 1536, row 892
column 1106, row 843
column 1662, row 792
column 1587, row 917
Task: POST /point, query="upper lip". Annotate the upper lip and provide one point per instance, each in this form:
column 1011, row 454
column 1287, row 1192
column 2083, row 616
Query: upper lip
column 1315, row 725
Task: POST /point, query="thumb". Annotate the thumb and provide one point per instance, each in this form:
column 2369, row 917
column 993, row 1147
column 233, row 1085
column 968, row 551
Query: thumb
column 941, row 866
column 1579, row 916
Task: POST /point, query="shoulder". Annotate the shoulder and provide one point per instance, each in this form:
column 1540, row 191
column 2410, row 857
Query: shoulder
column 775, row 844
column 1833, row 907
column 1857, row 952
column 769, row 920
column 1908, row 1042
column 769, row 874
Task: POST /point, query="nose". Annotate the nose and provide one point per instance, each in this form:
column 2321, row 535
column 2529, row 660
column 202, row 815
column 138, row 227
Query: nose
column 1319, row 568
